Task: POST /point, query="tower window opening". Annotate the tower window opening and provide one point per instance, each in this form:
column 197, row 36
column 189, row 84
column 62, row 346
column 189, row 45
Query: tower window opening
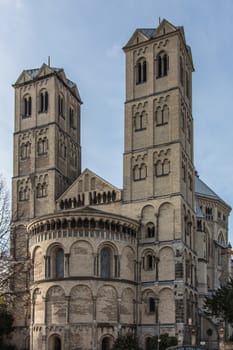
column 44, row 102
column 162, row 65
column 140, row 121
column 25, row 150
column 162, row 115
column 139, row 172
column 59, row 271
column 61, row 106
column 141, row 71
column 151, row 305
column 71, row 118
column 42, row 146
column 162, row 168
column 27, row 106
column 105, row 258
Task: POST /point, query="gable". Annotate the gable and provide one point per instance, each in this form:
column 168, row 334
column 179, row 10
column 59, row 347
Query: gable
column 44, row 70
column 23, row 78
column 89, row 189
column 139, row 36
column 164, row 28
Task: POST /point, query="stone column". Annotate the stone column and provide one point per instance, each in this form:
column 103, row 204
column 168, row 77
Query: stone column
column 47, row 266
column 118, row 310
column 45, row 310
column 94, row 308
column 68, row 309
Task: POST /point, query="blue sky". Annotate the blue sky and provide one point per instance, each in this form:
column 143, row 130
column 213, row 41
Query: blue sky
column 85, row 38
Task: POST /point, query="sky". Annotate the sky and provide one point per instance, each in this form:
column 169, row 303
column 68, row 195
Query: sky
column 85, row 37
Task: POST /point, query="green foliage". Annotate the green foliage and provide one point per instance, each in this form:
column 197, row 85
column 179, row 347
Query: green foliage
column 6, row 321
column 220, row 304
column 165, row 342
column 126, row 342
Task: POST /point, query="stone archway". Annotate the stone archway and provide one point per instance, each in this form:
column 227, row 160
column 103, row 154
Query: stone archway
column 106, row 343
column 55, row 342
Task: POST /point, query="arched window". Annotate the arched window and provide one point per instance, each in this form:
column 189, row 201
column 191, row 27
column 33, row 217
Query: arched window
column 106, row 343
column 55, row 342
column 149, row 262
column 166, row 167
column 21, row 194
column 42, row 146
column 141, row 71
column 158, row 168
column 27, row 106
column 165, row 114
column 151, row 305
column 162, row 115
column 25, row 150
column 162, row 168
column 136, row 173
column 148, row 343
column 105, row 261
column 44, row 101
column 44, row 189
column 71, row 118
column 143, row 171
column 162, row 65
column 39, row 191
column 59, row 263
column 140, row 121
column 150, row 230
column 61, row 106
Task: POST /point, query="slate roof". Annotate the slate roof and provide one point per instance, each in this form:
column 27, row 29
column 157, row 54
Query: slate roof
column 148, row 32
column 33, row 73
column 205, row 191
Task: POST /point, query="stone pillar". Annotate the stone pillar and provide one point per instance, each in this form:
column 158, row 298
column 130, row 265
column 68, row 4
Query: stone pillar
column 94, row 308
column 45, row 310
column 118, row 310
column 67, row 309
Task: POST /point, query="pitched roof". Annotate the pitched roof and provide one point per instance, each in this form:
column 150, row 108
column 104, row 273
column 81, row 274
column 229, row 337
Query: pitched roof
column 148, row 32
column 33, row 73
column 203, row 190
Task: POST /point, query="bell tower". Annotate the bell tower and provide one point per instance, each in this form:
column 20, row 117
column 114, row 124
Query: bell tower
column 47, row 151
column 158, row 155
column 47, row 159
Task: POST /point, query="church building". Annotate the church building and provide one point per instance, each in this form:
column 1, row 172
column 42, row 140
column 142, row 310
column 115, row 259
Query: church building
column 94, row 261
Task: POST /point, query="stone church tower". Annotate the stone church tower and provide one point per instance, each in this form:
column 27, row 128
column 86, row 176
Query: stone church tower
column 96, row 260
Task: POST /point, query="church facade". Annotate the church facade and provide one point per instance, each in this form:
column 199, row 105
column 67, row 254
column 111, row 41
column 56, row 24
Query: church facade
column 96, row 260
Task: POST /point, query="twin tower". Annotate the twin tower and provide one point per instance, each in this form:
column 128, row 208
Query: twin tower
column 93, row 261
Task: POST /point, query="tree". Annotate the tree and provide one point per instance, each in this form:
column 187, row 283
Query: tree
column 220, row 304
column 126, row 342
column 4, row 236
